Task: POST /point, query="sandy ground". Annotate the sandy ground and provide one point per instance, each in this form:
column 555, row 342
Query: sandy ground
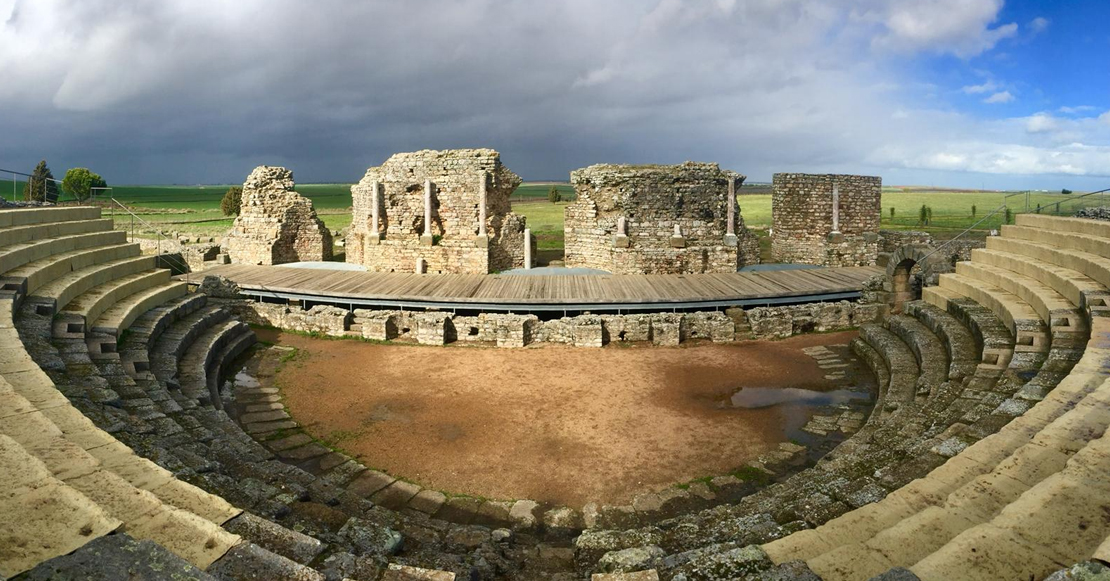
column 549, row 423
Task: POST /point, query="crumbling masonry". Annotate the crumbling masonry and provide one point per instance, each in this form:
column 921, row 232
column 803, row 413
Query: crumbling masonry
column 657, row 219
column 438, row 212
column 276, row 225
column 825, row 219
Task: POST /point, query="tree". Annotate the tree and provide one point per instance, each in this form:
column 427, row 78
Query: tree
column 923, row 215
column 232, row 201
column 35, row 188
column 553, row 194
column 892, row 212
column 1065, row 191
column 79, row 181
column 929, row 215
column 973, row 208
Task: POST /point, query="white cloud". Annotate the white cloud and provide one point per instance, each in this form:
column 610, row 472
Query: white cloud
column 961, row 27
column 1105, row 117
column 1001, row 97
column 1041, row 123
column 977, row 89
column 1077, row 109
column 1039, row 24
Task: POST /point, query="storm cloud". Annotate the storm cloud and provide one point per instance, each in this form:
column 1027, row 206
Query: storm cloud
column 201, row 91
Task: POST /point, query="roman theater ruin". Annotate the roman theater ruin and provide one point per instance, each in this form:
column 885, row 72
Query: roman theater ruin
column 900, row 409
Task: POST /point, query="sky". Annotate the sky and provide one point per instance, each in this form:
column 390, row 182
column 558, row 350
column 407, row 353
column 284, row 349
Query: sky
column 956, row 93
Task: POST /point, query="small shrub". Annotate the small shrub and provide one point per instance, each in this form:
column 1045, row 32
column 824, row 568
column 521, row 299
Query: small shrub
column 1009, row 216
column 1065, row 191
column 232, row 202
column 973, row 209
column 553, row 194
column 923, row 215
column 892, row 212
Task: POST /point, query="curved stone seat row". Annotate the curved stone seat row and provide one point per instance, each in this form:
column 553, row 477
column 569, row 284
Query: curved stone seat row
column 972, row 317
column 1019, row 503
column 96, row 485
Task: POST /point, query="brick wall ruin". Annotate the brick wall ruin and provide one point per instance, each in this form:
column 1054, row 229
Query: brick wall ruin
column 276, row 225
column 809, row 228
column 657, row 219
column 470, row 228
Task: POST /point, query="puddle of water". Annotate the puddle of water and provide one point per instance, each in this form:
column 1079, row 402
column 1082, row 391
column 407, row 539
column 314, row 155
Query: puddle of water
column 763, row 397
column 244, row 379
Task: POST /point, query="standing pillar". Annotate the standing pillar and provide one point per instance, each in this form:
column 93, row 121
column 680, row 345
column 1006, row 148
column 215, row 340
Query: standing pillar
column 527, row 248
column 375, row 217
column 482, row 240
column 730, row 233
column 426, row 238
column 836, row 209
column 621, row 239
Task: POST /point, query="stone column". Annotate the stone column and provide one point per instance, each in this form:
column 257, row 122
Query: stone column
column 426, row 238
column 621, row 239
column 730, row 233
column 482, row 240
column 677, row 239
column 375, row 217
column 421, row 266
column 836, row 209
column 527, row 248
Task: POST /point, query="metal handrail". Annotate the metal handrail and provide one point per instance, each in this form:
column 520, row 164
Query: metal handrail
column 1000, row 208
column 181, row 263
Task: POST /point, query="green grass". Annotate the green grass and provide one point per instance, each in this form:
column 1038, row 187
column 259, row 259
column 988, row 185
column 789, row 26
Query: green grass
column 194, row 210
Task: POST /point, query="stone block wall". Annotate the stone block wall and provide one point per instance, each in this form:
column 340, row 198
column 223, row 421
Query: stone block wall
column 276, row 225
column 456, row 240
column 802, row 209
column 650, row 201
column 510, row 330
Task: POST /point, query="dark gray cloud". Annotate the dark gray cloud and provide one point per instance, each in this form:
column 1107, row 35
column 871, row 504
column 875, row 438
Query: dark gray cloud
column 201, row 91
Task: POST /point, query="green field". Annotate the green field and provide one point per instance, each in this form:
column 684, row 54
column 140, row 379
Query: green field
column 194, row 210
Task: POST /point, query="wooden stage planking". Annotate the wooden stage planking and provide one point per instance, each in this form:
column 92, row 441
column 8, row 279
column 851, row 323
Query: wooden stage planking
column 546, row 290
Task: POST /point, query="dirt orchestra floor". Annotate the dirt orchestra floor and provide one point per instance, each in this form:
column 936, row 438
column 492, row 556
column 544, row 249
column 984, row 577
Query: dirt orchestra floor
column 551, row 423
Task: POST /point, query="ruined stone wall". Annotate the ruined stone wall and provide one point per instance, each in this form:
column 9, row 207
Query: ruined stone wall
column 454, row 244
column 802, row 219
column 276, row 225
column 653, row 199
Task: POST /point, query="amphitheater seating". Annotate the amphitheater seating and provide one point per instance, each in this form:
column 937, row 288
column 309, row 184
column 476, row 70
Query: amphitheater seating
column 112, row 441
column 984, row 458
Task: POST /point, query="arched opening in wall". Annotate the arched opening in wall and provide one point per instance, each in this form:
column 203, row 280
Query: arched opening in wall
column 905, row 284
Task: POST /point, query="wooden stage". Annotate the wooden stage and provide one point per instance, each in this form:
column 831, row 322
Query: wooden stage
column 603, row 292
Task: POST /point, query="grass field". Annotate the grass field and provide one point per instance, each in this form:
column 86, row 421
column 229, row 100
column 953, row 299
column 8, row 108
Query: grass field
column 194, row 210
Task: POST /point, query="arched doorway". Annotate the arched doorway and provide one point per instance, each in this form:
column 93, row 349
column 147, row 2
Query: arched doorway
column 905, row 284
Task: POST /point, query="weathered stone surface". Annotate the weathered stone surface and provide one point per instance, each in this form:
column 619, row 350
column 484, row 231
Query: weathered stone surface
column 1086, row 571
column 628, row 560
column 285, row 542
column 456, row 243
column 249, row 561
column 405, row 573
column 802, row 219
column 276, row 224
column 428, row 501
column 652, row 203
column 370, row 538
column 114, row 557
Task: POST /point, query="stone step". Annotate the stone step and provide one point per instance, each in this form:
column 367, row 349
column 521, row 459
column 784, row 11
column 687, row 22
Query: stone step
column 19, row 254
column 92, row 303
column 44, row 230
column 23, row 216
column 1063, row 316
column 958, row 341
column 44, row 518
column 1069, row 265
column 64, row 289
column 1095, row 245
column 41, row 272
column 1023, row 321
column 927, row 349
column 900, row 362
column 120, row 316
column 1099, row 228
